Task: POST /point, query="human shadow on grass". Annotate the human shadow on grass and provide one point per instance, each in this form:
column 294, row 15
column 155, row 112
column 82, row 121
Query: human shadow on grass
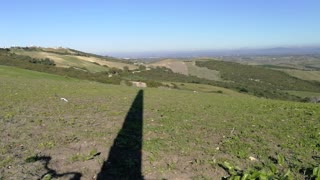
column 50, row 172
column 124, row 160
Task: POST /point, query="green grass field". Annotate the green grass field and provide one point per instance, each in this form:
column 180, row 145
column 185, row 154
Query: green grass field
column 186, row 134
column 208, row 89
column 202, row 72
column 305, row 75
column 304, row 94
column 260, row 81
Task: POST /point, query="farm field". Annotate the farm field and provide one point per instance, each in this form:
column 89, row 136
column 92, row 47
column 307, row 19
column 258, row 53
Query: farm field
column 304, row 94
column 305, row 75
column 207, row 89
column 184, row 134
column 202, row 72
column 188, row 68
column 176, row 66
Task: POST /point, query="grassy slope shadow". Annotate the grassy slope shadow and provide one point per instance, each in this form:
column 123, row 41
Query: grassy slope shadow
column 124, row 160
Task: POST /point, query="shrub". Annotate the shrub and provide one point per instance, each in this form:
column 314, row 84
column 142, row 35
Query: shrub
column 153, row 84
column 244, row 90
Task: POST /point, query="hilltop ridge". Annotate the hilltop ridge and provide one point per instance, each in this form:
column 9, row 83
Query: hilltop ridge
column 66, row 57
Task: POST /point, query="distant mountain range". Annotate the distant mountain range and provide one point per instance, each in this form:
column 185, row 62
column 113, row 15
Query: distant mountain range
column 211, row 53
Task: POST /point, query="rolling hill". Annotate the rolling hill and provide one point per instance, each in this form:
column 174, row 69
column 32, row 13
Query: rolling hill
column 72, row 58
column 303, row 74
column 187, row 68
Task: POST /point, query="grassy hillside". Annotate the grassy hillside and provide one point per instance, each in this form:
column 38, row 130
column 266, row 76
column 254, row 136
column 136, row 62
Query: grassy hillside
column 186, row 134
column 202, row 72
column 72, row 58
column 305, row 75
column 47, row 65
column 260, row 79
column 256, row 80
column 187, row 68
column 304, row 94
column 177, row 66
column 302, row 62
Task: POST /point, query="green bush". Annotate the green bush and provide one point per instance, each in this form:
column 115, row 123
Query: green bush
column 154, row 84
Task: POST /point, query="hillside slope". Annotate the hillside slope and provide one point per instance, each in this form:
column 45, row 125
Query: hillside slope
column 72, row 58
column 185, row 134
column 302, row 74
column 255, row 77
column 187, row 67
column 175, row 65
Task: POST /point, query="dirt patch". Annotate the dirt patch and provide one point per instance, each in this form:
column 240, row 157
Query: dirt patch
column 139, row 84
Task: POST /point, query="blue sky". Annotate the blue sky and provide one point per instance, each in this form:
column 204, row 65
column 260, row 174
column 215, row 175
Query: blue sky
column 160, row 25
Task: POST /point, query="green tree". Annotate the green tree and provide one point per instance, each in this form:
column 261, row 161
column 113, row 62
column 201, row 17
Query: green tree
column 142, row 68
column 125, row 69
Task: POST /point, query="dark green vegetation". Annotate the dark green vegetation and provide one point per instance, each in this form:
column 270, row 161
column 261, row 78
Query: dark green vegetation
column 270, row 171
column 5, row 55
column 259, row 81
column 186, row 135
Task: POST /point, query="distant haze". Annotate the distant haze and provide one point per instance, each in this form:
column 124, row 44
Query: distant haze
column 213, row 53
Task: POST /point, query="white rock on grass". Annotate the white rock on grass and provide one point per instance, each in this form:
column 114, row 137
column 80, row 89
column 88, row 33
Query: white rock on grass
column 64, row 99
column 252, row 158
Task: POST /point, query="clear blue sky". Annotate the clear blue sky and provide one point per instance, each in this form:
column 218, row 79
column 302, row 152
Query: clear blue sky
column 157, row 25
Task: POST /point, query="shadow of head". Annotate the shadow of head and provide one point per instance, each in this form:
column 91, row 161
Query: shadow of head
column 51, row 173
